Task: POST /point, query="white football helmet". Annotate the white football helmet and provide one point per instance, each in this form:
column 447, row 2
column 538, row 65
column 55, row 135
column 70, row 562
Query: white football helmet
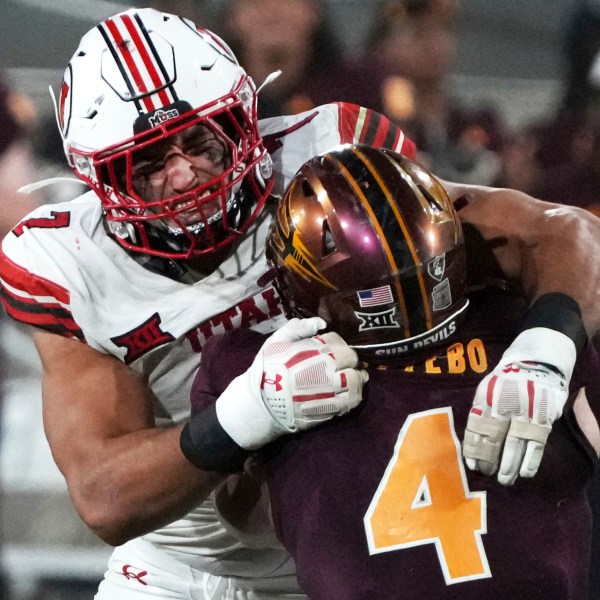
column 136, row 79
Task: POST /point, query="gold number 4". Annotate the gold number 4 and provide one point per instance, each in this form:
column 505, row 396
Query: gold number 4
column 424, row 498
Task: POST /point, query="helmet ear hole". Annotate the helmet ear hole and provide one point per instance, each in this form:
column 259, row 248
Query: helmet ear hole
column 307, row 189
column 430, row 198
column 328, row 241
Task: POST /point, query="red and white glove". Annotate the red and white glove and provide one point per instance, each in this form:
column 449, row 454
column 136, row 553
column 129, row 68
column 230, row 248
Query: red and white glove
column 517, row 403
column 297, row 380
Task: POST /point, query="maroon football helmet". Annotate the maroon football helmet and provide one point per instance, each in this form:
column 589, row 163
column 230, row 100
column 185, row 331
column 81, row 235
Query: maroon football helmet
column 369, row 240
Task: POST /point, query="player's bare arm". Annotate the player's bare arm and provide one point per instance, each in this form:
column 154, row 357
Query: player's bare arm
column 549, row 246
column 125, row 476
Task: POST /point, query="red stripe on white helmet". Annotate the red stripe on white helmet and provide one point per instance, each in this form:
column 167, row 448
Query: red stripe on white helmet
column 138, row 57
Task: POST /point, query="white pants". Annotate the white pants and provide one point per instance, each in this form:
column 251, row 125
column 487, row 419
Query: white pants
column 137, row 571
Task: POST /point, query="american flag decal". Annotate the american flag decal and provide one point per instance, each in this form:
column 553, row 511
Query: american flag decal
column 375, row 297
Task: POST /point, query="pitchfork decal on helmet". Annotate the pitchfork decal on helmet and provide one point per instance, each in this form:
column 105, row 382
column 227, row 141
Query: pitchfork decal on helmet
column 291, row 248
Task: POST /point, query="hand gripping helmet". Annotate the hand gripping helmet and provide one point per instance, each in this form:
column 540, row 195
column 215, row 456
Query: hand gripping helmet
column 369, row 240
column 137, row 79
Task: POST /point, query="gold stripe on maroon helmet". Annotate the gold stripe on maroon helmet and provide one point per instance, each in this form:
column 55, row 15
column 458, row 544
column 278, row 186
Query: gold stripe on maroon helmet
column 395, row 208
column 360, row 194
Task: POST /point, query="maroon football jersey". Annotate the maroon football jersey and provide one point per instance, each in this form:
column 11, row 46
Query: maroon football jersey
column 379, row 505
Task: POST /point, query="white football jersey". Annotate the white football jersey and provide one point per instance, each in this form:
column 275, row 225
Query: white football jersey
column 61, row 271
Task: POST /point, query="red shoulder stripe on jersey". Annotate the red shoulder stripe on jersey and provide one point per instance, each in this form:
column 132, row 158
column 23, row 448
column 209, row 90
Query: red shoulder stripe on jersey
column 347, row 121
column 370, row 133
column 51, row 326
column 32, row 285
column 357, row 124
column 51, row 317
column 18, row 304
column 381, row 134
column 365, row 133
column 407, row 147
column 394, row 139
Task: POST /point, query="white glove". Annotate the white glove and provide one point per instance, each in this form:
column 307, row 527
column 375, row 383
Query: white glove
column 297, row 380
column 517, row 403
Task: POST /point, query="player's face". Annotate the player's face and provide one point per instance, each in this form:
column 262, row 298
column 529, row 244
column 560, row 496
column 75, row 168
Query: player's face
column 179, row 164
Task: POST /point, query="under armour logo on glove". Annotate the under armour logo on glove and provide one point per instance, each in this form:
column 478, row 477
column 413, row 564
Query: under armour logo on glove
column 297, row 381
column 276, row 381
column 517, row 403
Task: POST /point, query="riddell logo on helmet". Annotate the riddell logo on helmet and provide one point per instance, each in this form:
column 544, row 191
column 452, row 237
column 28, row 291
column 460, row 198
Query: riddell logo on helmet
column 160, row 116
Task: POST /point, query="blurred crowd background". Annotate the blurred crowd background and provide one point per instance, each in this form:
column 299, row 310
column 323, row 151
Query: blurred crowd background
column 495, row 93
